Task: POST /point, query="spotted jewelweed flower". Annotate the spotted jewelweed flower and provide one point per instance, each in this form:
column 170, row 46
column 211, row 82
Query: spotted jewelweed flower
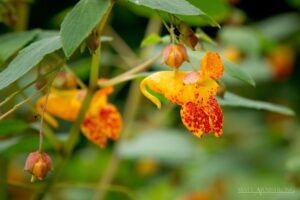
column 101, row 121
column 174, row 55
column 194, row 92
column 38, row 164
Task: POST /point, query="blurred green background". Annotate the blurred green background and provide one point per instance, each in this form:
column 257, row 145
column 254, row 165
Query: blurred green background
column 257, row 156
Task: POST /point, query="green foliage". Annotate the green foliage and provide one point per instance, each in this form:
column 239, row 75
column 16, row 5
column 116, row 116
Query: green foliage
column 216, row 11
column 245, row 38
column 288, row 23
column 80, row 22
column 10, row 43
column 237, row 72
column 154, row 144
column 180, row 7
column 234, row 100
column 150, row 40
column 28, row 58
column 194, row 19
column 12, row 126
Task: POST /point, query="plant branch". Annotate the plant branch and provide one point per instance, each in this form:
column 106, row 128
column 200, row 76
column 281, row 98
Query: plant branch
column 132, row 105
column 25, row 87
column 75, row 129
column 128, row 74
column 17, row 106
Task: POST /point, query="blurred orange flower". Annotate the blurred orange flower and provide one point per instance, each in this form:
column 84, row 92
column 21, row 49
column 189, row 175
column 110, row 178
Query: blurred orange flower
column 282, row 60
column 101, row 121
column 194, row 92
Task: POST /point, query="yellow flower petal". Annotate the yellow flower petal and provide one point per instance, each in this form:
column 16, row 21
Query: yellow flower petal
column 175, row 90
column 64, row 104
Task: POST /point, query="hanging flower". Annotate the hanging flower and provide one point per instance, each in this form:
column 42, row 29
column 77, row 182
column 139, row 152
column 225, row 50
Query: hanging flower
column 194, row 92
column 101, row 121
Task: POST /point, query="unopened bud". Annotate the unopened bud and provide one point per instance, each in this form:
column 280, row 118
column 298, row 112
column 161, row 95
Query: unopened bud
column 174, row 55
column 65, row 80
column 187, row 35
column 93, row 42
column 38, row 164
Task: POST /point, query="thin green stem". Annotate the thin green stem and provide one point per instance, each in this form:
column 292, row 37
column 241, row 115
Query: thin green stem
column 131, row 107
column 193, row 65
column 129, row 74
column 75, row 129
column 42, row 121
column 47, row 130
column 25, row 87
column 17, row 106
column 164, row 22
column 78, row 80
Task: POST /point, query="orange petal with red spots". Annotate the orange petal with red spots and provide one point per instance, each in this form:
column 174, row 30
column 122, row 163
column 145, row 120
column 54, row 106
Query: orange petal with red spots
column 195, row 119
column 106, row 123
column 200, row 119
column 211, row 65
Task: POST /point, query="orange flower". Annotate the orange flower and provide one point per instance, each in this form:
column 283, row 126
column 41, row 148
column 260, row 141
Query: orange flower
column 101, row 121
column 194, row 92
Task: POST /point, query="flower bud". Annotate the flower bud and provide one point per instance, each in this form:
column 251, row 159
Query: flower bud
column 38, row 164
column 187, row 35
column 65, row 80
column 174, row 55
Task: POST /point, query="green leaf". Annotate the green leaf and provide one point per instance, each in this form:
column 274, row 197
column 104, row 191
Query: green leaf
column 180, row 7
column 21, row 144
column 12, row 126
column 27, row 58
column 215, row 11
column 234, row 100
column 168, row 146
column 230, row 68
column 288, row 23
column 150, row 40
column 80, row 22
column 200, row 19
column 237, row 72
column 10, row 43
column 219, row 10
